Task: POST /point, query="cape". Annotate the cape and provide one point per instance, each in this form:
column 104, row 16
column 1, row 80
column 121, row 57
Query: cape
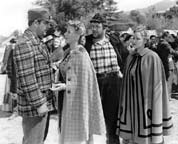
column 144, row 115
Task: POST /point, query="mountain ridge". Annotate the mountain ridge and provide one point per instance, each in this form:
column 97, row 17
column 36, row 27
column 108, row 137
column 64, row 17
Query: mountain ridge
column 159, row 6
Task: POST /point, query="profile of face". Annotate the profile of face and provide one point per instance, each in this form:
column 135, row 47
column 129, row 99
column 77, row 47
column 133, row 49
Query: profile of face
column 41, row 28
column 50, row 44
column 97, row 29
column 82, row 40
column 138, row 41
column 171, row 38
column 71, row 35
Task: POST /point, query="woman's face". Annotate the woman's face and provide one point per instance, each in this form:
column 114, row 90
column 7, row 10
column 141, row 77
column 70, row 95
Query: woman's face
column 71, row 35
column 138, row 41
column 83, row 40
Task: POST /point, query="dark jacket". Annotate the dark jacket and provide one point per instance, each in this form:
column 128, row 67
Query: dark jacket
column 11, row 72
column 165, row 51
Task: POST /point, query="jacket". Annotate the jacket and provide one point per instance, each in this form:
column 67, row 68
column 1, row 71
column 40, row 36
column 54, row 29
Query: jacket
column 34, row 74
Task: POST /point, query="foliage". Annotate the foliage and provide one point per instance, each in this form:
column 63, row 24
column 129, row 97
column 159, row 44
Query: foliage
column 165, row 20
column 63, row 10
column 138, row 17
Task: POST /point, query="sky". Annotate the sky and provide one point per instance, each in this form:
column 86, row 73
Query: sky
column 13, row 13
column 132, row 4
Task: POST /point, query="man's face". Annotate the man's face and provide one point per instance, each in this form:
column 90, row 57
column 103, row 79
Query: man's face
column 97, row 29
column 153, row 40
column 42, row 27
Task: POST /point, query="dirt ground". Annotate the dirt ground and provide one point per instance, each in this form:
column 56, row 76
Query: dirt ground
column 11, row 130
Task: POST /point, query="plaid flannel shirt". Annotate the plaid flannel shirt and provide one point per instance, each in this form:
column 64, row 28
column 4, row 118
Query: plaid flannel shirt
column 104, row 57
column 34, row 74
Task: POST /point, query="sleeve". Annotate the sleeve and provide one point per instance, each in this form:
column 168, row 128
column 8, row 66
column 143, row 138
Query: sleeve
column 24, row 58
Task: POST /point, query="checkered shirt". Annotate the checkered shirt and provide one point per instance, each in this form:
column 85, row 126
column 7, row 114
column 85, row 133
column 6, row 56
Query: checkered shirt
column 104, row 57
column 34, row 74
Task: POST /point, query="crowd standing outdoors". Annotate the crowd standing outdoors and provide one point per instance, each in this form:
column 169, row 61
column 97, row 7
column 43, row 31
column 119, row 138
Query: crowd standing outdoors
column 107, row 85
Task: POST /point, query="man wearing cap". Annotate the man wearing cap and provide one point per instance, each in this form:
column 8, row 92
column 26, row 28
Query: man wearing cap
column 34, row 77
column 106, row 58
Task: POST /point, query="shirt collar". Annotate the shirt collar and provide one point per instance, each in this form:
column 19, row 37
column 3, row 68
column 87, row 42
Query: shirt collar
column 103, row 40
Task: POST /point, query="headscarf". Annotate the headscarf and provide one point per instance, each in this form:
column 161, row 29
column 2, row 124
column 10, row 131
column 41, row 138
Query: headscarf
column 78, row 26
column 142, row 30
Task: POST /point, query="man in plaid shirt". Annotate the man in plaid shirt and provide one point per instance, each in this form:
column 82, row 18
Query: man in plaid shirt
column 106, row 59
column 34, row 77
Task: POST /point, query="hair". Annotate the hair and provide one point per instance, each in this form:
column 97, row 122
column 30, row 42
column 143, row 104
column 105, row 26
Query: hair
column 12, row 41
column 173, row 35
column 165, row 34
column 80, row 40
column 104, row 25
column 152, row 36
column 124, row 35
column 78, row 26
column 127, row 37
column 141, row 29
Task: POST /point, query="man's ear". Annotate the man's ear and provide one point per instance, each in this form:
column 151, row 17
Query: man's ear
column 35, row 23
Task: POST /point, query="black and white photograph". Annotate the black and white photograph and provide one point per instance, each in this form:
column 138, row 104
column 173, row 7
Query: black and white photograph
column 89, row 72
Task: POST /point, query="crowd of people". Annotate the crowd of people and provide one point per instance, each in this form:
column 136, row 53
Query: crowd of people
column 105, row 84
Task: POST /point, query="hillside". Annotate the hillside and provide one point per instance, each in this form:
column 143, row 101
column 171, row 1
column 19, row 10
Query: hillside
column 2, row 38
column 160, row 6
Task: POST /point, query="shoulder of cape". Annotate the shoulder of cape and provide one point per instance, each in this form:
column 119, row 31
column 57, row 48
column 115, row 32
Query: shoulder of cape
column 78, row 51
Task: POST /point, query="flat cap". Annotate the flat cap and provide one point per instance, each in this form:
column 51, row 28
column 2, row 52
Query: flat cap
column 38, row 14
column 98, row 18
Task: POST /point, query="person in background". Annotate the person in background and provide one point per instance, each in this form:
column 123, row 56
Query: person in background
column 59, row 43
column 82, row 40
column 82, row 114
column 152, row 43
column 34, row 77
column 104, row 53
column 144, row 115
column 167, row 53
column 8, row 68
column 128, row 43
column 11, row 72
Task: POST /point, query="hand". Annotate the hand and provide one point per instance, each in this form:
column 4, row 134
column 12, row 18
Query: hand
column 58, row 87
column 43, row 109
column 54, row 66
column 120, row 74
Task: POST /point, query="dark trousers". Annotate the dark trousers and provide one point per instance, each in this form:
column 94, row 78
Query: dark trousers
column 170, row 82
column 109, row 86
column 47, row 126
column 33, row 129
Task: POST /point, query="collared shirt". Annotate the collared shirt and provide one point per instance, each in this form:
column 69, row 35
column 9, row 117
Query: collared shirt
column 104, row 57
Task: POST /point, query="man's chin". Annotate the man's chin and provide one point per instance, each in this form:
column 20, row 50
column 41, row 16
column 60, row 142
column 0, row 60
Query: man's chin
column 95, row 35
